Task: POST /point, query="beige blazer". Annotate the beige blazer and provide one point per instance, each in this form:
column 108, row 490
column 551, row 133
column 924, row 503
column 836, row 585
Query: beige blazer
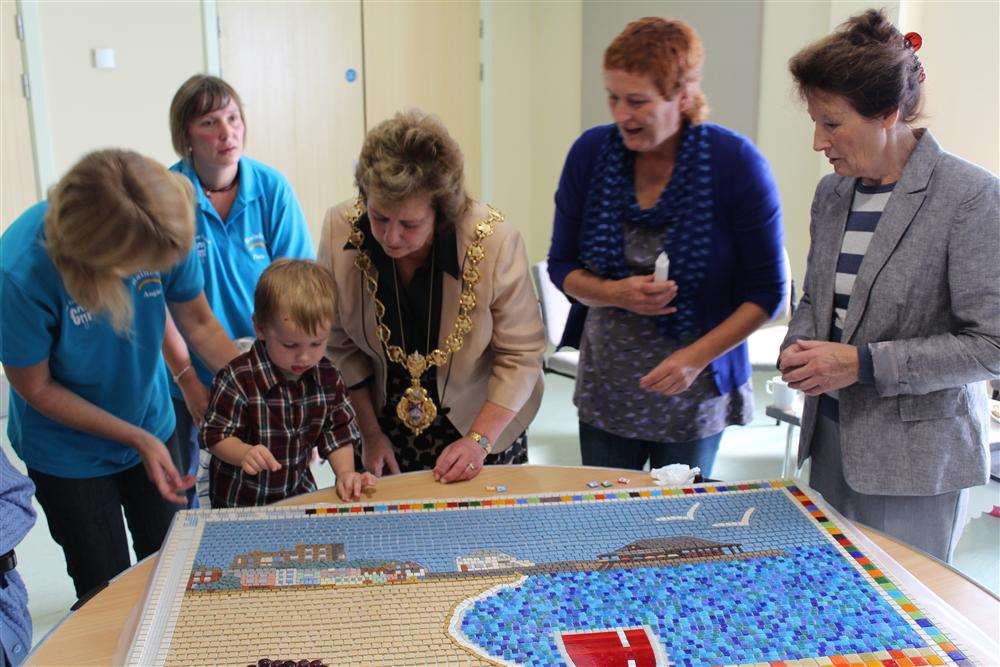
column 501, row 360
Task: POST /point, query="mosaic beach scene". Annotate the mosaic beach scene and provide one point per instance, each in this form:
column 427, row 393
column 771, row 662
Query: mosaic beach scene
column 706, row 575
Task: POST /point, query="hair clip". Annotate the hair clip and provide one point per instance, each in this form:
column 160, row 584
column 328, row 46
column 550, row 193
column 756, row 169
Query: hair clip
column 913, row 41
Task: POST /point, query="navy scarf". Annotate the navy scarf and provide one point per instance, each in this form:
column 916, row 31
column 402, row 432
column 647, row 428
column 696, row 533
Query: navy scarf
column 684, row 209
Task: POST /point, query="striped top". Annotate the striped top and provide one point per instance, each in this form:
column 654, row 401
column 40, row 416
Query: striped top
column 866, row 209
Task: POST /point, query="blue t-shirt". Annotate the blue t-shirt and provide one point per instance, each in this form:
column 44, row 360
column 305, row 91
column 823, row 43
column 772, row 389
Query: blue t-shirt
column 121, row 374
column 265, row 223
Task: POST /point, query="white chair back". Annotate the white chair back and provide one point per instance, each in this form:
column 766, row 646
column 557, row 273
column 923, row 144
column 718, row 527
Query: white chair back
column 555, row 305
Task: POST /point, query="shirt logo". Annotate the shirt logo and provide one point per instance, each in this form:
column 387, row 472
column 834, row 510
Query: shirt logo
column 79, row 315
column 201, row 246
column 148, row 284
column 256, row 246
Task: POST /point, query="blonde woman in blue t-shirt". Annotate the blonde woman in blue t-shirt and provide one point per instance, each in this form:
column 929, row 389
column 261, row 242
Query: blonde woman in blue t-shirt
column 85, row 279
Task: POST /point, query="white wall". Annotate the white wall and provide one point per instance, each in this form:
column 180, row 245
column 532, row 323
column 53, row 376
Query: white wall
column 961, row 57
column 157, row 45
column 784, row 131
column 535, row 104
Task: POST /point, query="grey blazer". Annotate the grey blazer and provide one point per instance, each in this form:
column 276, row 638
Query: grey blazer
column 927, row 299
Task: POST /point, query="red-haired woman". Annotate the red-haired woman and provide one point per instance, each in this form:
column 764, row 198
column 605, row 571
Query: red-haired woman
column 663, row 364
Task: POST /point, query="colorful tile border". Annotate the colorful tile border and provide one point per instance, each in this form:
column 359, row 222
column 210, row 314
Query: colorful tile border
column 542, row 499
column 882, row 581
column 907, row 657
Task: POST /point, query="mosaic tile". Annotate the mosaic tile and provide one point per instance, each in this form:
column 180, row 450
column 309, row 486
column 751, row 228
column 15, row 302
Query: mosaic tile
column 749, row 573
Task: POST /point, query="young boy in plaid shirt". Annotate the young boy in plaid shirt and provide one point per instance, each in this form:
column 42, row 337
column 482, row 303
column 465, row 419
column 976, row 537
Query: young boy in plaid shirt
column 271, row 405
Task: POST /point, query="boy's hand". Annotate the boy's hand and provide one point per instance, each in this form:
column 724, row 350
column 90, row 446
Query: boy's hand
column 259, row 458
column 351, row 484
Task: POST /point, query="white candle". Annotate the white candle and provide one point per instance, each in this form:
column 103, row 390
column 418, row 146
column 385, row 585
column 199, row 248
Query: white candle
column 661, row 268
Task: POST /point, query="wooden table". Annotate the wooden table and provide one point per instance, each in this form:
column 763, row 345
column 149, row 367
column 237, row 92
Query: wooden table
column 102, row 629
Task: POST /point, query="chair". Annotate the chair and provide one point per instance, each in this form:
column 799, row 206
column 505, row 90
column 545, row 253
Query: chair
column 555, row 310
column 764, row 345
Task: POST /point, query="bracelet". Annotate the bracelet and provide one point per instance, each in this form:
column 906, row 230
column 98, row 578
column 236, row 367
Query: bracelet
column 177, row 378
column 481, row 440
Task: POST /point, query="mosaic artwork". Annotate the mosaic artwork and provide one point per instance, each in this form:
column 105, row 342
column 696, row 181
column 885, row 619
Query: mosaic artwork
column 753, row 573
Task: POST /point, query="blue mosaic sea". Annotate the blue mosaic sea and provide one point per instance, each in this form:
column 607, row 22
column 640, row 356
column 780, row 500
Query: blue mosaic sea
column 814, row 603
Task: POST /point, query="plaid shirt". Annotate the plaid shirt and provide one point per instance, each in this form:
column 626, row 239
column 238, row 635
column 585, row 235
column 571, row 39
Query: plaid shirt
column 254, row 402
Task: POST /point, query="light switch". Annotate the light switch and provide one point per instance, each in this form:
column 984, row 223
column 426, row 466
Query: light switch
column 104, row 58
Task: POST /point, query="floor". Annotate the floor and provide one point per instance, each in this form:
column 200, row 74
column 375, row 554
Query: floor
column 751, row 452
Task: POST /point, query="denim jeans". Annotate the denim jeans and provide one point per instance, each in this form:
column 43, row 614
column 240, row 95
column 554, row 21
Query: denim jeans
column 85, row 519
column 184, row 450
column 607, row 450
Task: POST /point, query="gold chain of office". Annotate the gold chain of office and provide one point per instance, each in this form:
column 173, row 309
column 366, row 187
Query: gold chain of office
column 416, row 409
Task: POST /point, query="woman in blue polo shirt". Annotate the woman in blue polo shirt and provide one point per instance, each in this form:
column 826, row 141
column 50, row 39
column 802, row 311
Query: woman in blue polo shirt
column 85, row 279
column 246, row 216
column 663, row 363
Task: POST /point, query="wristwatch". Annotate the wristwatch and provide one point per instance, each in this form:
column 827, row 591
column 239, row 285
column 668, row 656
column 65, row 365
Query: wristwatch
column 481, row 440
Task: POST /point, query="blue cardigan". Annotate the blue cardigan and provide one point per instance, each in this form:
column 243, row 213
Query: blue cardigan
column 747, row 239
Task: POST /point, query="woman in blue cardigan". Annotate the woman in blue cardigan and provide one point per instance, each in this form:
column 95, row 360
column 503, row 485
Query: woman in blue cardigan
column 663, row 364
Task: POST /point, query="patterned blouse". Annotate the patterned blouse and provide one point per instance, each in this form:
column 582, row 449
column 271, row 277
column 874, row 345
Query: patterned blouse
column 619, row 347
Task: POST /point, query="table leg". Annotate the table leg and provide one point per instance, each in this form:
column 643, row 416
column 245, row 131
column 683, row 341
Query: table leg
column 788, row 467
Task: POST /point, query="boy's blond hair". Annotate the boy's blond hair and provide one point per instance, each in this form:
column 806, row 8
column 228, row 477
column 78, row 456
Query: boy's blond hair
column 299, row 289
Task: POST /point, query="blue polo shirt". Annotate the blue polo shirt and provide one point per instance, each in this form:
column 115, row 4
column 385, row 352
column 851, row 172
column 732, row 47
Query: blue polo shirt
column 265, row 223
column 121, row 374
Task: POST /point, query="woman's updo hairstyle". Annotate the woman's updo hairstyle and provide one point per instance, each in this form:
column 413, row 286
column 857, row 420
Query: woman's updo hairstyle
column 867, row 62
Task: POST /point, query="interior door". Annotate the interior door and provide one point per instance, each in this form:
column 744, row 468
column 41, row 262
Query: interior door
column 298, row 67
column 19, row 184
column 426, row 54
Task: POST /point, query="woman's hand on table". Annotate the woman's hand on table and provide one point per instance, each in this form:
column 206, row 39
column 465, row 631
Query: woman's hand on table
column 816, row 367
column 160, row 468
column 459, row 461
column 377, row 454
column 643, row 295
column 674, row 374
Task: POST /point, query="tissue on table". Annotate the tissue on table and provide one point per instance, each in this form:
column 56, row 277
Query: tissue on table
column 675, row 474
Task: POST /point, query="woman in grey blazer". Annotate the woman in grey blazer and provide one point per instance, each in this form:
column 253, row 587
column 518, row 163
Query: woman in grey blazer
column 899, row 321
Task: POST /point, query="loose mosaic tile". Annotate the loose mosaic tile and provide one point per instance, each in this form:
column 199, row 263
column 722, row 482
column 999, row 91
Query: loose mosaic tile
column 749, row 573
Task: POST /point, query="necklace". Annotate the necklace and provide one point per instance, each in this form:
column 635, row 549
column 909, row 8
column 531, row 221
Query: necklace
column 226, row 188
column 415, row 409
column 413, row 413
